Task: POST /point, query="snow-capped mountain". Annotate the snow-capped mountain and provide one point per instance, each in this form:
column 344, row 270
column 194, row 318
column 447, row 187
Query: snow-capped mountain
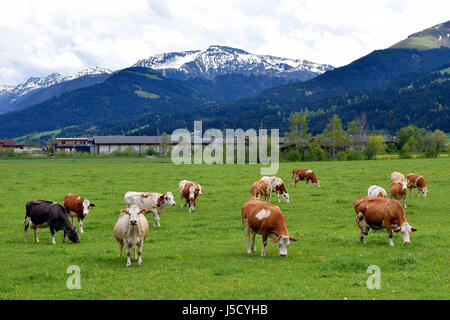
column 35, row 83
column 31, row 91
column 219, row 60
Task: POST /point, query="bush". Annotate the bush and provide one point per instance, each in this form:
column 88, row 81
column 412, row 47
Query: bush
column 404, row 152
column 355, row 155
column 341, row 156
column 294, row 155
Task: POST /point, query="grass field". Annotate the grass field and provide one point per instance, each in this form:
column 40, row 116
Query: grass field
column 203, row 255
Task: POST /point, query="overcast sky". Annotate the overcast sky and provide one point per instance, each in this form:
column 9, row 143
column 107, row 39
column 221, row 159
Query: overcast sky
column 38, row 37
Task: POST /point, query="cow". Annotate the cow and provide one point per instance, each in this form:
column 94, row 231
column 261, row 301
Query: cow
column 376, row 191
column 189, row 190
column 378, row 213
column 43, row 214
column 398, row 191
column 304, row 174
column 397, row 176
column 416, row 181
column 78, row 207
column 262, row 188
column 152, row 201
column 263, row 218
column 130, row 231
column 278, row 187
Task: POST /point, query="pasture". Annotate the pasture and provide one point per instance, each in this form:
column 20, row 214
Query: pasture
column 202, row 255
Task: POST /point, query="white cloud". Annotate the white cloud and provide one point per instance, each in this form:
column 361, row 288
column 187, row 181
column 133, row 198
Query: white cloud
column 40, row 37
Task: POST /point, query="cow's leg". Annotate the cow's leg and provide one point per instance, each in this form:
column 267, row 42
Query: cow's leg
column 247, row 235
column 35, row 236
column 181, row 200
column 389, row 231
column 141, row 244
column 279, row 200
column 80, row 224
column 156, row 218
column 127, row 246
column 53, row 235
column 120, row 249
column 64, row 237
column 253, row 241
column 404, row 202
column 264, row 241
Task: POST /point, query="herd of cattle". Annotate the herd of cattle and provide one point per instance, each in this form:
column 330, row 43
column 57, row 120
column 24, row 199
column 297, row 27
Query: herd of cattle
column 374, row 211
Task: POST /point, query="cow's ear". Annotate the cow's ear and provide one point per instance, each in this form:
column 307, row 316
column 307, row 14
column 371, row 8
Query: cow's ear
column 413, row 229
column 124, row 211
column 142, row 211
column 397, row 229
column 293, row 239
column 92, row 205
column 277, row 239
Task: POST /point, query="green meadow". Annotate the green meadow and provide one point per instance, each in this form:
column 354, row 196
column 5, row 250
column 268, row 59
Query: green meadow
column 202, row 255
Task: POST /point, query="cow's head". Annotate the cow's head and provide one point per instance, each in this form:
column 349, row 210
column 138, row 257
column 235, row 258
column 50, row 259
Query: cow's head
column 200, row 189
column 72, row 234
column 191, row 193
column 405, row 229
column 285, row 197
column 86, row 204
column 283, row 244
column 168, row 199
column 404, row 186
column 424, row 191
column 362, row 224
column 316, row 184
column 133, row 212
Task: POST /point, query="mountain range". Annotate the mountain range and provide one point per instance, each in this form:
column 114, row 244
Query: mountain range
column 407, row 83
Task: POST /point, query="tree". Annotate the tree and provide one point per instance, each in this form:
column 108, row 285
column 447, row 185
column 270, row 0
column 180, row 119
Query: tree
column 333, row 135
column 353, row 132
column 434, row 143
column 375, row 145
column 165, row 144
column 298, row 133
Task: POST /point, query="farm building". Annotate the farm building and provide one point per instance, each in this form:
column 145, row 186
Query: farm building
column 5, row 144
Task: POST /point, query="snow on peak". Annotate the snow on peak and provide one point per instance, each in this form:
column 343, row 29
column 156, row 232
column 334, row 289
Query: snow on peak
column 217, row 60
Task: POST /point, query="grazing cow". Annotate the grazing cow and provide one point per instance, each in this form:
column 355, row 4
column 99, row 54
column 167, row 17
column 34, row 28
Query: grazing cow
column 152, row 201
column 304, row 174
column 77, row 207
column 130, row 231
column 398, row 191
column 397, row 176
column 190, row 191
column 378, row 213
column 278, row 187
column 268, row 220
column 417, row 181
column 43, row 214
column 376, row 191
column 262, row 188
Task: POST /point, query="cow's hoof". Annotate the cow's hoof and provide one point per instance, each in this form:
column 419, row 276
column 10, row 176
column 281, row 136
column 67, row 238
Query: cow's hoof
column 128, row 265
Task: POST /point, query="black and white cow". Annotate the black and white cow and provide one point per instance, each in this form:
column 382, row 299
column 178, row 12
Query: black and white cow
column 43, row 214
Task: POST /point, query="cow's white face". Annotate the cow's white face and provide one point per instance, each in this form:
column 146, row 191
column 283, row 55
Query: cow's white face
column 405, row 230
column 404, row 187
column 191, row 192
column 168, row 199
column 86, row 206
column 200, row 189
column 424, row 191
column 286, row 197
column 316, row 184
column 283, row 245
column 133, row 212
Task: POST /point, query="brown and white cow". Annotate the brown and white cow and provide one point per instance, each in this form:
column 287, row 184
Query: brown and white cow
column 263, row 218
column 189, row 190
column 398, row 191
column 416, row 181
column 397, row 176
column 78, row 207
column 304, row 174
column 278, row 187
column 378, row 213
column 262, row 188
column 376, row 191
column 152, row 201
